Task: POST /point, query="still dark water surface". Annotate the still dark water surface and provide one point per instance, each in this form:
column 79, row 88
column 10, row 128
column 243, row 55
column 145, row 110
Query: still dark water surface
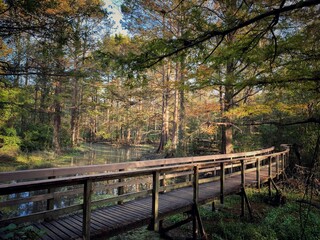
column 97, row 154
column 104, row 154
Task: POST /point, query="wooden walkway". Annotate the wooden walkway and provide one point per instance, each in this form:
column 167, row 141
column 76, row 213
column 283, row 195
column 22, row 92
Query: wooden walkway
column 108, row 221
column 144, row 192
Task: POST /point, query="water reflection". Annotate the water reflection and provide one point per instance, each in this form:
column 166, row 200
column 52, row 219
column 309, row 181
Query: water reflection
column 98, row 154
column 104, row 154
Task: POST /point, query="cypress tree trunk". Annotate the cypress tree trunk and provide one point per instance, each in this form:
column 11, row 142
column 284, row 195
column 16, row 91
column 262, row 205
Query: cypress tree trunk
column 57, row 118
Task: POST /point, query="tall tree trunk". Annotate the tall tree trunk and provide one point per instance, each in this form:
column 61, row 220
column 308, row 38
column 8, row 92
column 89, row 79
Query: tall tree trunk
column 176, row 124
column 182, row 111
column 227, row 134
column 74, row 121
column 165, row 110
column 57, row 117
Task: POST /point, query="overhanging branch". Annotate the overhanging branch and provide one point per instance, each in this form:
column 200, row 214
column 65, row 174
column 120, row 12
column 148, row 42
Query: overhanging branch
column 309, row 120
column 214, row 33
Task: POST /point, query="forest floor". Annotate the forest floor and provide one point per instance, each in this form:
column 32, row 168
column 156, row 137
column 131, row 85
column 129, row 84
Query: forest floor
column 291, row 220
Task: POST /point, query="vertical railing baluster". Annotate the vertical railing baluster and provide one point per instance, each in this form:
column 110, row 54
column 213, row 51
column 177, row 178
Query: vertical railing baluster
column 155, row 200
column 277, row 167
column 163, row 181
column 258, row 179
column 242, row 187
column 195, row 200
column 50, row 201
column 269, row 174
column 120, row 188
column 195, row 184
column 222, row 180
column 86, row 209
column 282, row 162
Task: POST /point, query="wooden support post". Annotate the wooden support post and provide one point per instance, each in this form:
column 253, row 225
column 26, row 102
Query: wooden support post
column 195, row 184
column 247, row 202
column 86, row 209
column 155, row 201
column 121, row 188
column 195, row 200
column 50, row 202
column 199, row 220
column 242, row 188
column 269, row 187
column 213, row 206
column 222, row 180
column 269, row 175
column 283, row 167
column 243, row 169
column 163, row 181
column 196, row 219
column 285, row 160
column 277, row 167
column 194, row 223
column 270, row 167
column 258, row 178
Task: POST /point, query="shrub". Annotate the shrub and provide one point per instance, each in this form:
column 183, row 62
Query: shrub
column 9, row 141
column 37, row 137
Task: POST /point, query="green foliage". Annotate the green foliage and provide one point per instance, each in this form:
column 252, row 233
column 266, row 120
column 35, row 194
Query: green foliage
column 286, row 223
column 273, row 223
column 9, row 141
column 14, row 232
column 37, row 137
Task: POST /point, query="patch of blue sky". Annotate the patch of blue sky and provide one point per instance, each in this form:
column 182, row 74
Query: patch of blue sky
column 114, row 6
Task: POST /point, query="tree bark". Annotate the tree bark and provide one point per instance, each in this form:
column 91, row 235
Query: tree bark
column 57, row 117
column 165, row 110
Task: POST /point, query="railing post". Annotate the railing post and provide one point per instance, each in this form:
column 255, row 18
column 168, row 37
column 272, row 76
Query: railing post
column 195, row 200
column 50, row 202
column 163, row 181
column 195, row 184
column 269, row 174
column 277, row 167
column 121, row 188
column 222, row 180
column 86, row 209
column 285, row 159
column 258, row 174
column 242, row 187
column 243, row 168
column 155, row 201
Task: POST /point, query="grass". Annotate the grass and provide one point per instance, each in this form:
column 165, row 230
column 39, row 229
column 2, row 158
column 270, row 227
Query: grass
column 15, row 160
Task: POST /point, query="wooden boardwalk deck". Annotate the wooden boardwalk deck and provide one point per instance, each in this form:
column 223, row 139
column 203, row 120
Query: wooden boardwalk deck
column 108, row 221
column 133, row 194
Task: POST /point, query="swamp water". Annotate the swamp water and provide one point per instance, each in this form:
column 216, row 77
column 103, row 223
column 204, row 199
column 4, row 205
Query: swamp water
column 104, row 154
column 94, row 154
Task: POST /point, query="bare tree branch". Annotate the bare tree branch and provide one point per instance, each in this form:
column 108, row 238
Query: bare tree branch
column 309, row 120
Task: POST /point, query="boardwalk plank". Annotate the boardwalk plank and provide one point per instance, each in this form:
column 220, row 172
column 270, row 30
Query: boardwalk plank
column 46, row 236
column 56, row 233
column 111, row 219
column 63, row 228
column 77, row 229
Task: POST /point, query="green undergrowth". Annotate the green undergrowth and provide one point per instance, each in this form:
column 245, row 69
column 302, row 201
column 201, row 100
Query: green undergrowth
column 14, row 232
column 17, row 160
column 269, row 222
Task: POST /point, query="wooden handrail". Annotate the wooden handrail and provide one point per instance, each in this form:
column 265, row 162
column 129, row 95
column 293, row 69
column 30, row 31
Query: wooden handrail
column 153, row 169
column 69, row 171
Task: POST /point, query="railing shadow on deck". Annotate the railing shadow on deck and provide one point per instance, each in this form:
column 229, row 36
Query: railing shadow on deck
column 101, row 185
